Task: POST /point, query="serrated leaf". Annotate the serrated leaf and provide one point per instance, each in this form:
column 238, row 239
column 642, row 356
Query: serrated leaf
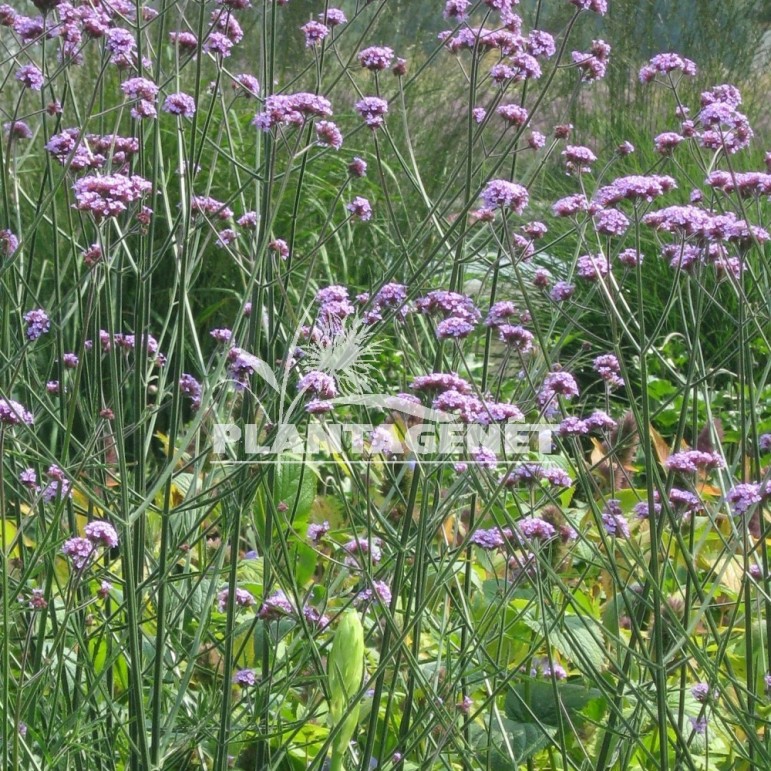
column 534, row 700
column 576, row 638
column 510, row 748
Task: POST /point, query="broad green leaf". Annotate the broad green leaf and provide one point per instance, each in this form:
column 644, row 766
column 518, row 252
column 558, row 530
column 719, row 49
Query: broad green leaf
column 578, row 638
column 533, row 701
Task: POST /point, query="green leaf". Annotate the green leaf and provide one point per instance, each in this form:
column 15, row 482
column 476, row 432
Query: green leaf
column 533, row 701
column 295, row 485
column 578, row 638
column 509, row 749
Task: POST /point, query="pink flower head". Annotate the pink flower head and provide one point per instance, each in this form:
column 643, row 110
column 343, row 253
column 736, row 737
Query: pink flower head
column 376, row 58
column 314, row 32
column 101, row 533
column 360, row 208
column 506, row 195
column 373, row 110
column 180, row 104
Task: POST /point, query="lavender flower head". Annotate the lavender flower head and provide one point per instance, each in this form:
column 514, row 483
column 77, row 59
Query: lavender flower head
column 180, row 104
column 360, row 208
column 376, row 58
column 101, row 533
column 275, row 607
column 243, row 599
column 37, row 322
column 79, row 550
column 613, row 520
column 245, row 678
column 500, row 193
column 14, row 414
column 373, row 110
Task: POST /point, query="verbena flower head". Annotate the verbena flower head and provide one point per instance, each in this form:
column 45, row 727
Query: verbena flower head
column 608, row 368
column 37, row 322
column 314, row 32
column 275, row 607
column 328, row 134
column 101, row 533
column 14, row 414
column 578, row 158
column 743, row 497
column 663, row 64
column 611, row 222
column 376, row 58
column 488, row 539
column 380, row 592
column 318, row 384
column 373, row 110
column 333, row 17
column 557, row 384
column 242, row 599
column 245, row 678
column 441, row 381
column 692, row 461
column 292, row 110
column 592, row 64
column 562, row 291
column 358, row 549
column 241, row 366
column 500, row 193
column 592, row 267
column 8, row 244
column 598, row 6
column 30, row 76
column 513, row 114
column 613, row 520
column 191, row 388
column 360, row 208
column 79, row 550
column 634, row 188
column 109, row 195
column 180, row 104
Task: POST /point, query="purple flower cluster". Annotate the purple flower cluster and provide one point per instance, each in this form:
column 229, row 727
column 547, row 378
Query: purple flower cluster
column 557, row 384
column 241, row 366
column 380, row 592
column 292, row 110
column 592, row 64
column 376, row 58
column 390, row 297
column 30, row 76
column 634, row 188
column 360, row 208
column 613, row 520
column 145, row 93
column 8, row 243
column 82, row 550
column 357, row 550
column 328, row 134
column 37, row 322
column 692, row 461
column 14, row 414
column 191, row 388
column 578, row 159
column 533, row 474
column 315, row 32
column 608, row 368
column 180, row 104
column 488, row 540
column 500, row 193
column 664, row 64
column 109, row 195
column 242, row 599
column 373, row 110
